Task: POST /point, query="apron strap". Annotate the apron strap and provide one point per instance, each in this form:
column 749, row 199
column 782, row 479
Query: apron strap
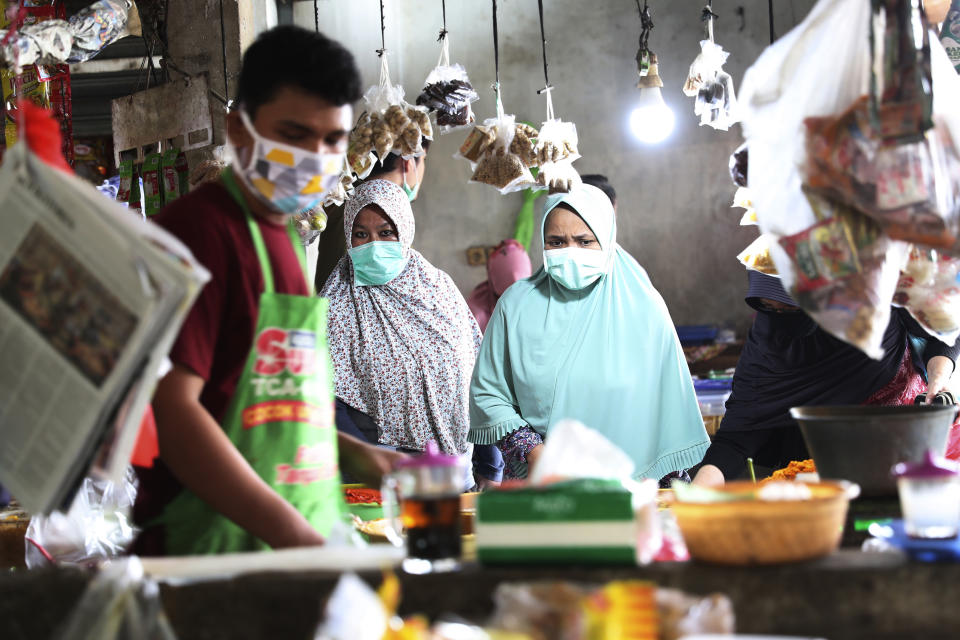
column 230, row 183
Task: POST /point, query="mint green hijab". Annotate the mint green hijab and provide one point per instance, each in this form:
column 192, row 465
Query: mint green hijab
column 607, row 355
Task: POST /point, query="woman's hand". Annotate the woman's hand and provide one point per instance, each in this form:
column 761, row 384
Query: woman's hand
column 366, row 462
column 709, row 476
column 532, row 456
column 939, row 372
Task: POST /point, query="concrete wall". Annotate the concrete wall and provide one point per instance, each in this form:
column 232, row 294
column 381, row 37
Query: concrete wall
column 674, row 213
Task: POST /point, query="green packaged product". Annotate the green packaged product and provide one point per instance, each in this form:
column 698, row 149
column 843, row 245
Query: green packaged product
column 169, row 177
column 152, row 190
column 950, row 34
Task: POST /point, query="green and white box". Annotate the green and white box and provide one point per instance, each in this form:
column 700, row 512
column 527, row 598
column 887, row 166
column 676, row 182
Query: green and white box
column 588, row 521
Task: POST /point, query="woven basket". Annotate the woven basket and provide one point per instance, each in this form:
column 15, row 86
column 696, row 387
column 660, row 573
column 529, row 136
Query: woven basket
column 753, row 532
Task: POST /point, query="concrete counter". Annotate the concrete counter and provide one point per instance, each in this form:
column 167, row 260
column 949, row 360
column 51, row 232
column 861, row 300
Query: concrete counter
column 847, row 596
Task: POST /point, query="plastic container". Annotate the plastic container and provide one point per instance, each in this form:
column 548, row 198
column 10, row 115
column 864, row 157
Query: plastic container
column 929, row 497
column 712, row 408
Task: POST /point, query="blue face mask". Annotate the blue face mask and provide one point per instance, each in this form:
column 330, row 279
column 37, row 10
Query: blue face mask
column 377, row 263
column 573, row 267
column 411, row 191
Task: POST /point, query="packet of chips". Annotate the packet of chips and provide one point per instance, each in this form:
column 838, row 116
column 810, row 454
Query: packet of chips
column 756, row 257
column 929, row 290
column 170, row 179
column 152, row 189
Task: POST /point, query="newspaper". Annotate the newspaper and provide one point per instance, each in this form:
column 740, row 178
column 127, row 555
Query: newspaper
column 91, row 299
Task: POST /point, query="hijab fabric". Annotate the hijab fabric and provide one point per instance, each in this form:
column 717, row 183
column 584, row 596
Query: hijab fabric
column 402, row 352
column 508, row 263
column 607, row 355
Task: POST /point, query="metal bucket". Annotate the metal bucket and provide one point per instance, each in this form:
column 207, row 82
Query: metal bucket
column 862, row 443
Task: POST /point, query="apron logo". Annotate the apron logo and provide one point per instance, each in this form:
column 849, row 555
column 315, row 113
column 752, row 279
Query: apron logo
column 285, row 411
column 280, row 350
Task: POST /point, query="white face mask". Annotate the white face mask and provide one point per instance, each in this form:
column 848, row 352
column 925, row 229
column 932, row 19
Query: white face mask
column 575, row 268
column 286, row 178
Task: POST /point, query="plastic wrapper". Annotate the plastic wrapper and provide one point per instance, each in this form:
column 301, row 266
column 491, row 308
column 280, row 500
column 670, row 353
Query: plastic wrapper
column 120, row 603
column 716, row 100
column 353, row 612
column 96, row 528
column 503, row 163
column 905, row 185
column 744, row 200
column 448, row 93
column 310, row 224
column 814, row 79
column 556, row 610
column 846, row 271
column 555, row 151
column 738, row 164
column 152, row 185
column 61, row 41
column 929, row 290
column 756, row 257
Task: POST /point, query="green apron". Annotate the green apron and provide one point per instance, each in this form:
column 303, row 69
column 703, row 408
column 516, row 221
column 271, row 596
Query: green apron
column 281, row 417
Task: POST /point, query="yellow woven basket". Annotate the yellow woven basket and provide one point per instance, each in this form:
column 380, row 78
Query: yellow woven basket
column 753, row 532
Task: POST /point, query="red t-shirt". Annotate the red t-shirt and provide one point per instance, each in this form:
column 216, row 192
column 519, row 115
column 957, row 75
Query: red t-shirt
column 218, row 333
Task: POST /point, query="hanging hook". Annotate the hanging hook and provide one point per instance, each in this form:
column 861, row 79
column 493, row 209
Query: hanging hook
column 383, row 33
column 443, row 32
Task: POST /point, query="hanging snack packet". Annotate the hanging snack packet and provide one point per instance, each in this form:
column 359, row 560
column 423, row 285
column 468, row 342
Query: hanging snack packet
column 929, row 290
column 152, row 193
column 136, row 190
column 503, row 163
column 479, row 140
column 845, row 270
column 950, row 34
column 168, row 171
column 125, row 189
column 183, row 172
column 712, row 86
column 448, row 92
column 756, row 257
column 555, row 152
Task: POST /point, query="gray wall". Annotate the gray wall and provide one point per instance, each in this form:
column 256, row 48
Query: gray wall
column 674, row 213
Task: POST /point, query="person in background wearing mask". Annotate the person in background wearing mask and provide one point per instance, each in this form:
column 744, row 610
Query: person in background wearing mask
column 587, row 337
column 405, row 173
column 248, row 448
column 788, row 361
column 507, row 263
column 402, row 339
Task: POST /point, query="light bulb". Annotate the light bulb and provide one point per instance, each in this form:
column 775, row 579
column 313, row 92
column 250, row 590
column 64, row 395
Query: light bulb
column 652, row 120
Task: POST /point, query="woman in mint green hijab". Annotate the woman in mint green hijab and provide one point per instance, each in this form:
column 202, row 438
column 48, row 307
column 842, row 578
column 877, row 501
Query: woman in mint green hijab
column 586, row 337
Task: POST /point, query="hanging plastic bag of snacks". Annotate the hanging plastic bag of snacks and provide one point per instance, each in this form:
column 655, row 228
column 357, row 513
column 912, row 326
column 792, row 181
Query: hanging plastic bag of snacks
column 846, row 272
column 503, row 163
column 716, row 100
column 555, row 152
column 757, row 256
column 448, row 93
column 929, row 290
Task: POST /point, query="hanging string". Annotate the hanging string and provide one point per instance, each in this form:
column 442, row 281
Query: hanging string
column 708, row 16
column 547, row 88
column 770, row 13
column 496, row 62
column 444, row 39
column 223, row 48
column 443, row 32
column 383, row 33
column 316, row 16
column 646, row 24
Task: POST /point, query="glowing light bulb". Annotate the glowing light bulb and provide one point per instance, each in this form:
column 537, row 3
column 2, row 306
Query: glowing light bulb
column 652, row 121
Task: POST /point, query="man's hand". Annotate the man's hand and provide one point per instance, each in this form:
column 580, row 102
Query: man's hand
column 366, row 462
column 939, row 372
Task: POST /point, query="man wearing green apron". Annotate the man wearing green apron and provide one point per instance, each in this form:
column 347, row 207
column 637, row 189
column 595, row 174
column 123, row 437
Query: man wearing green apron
column 249, row 453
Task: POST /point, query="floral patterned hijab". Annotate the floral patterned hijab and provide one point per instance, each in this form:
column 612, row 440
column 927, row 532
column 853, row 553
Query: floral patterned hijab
column 403, row 352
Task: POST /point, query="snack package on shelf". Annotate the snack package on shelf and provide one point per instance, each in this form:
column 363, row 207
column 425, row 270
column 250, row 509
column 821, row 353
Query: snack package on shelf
column 846, row 272
column 557, row 610
column 448, row 93
column 504, row 162
column 756, row 257
column 716, row 100
column 929, row 290
column 555, row 151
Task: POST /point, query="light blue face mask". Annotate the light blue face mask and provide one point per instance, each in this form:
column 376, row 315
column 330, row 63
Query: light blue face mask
column 573, row 267
column 411, row 191
column 377, row 263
